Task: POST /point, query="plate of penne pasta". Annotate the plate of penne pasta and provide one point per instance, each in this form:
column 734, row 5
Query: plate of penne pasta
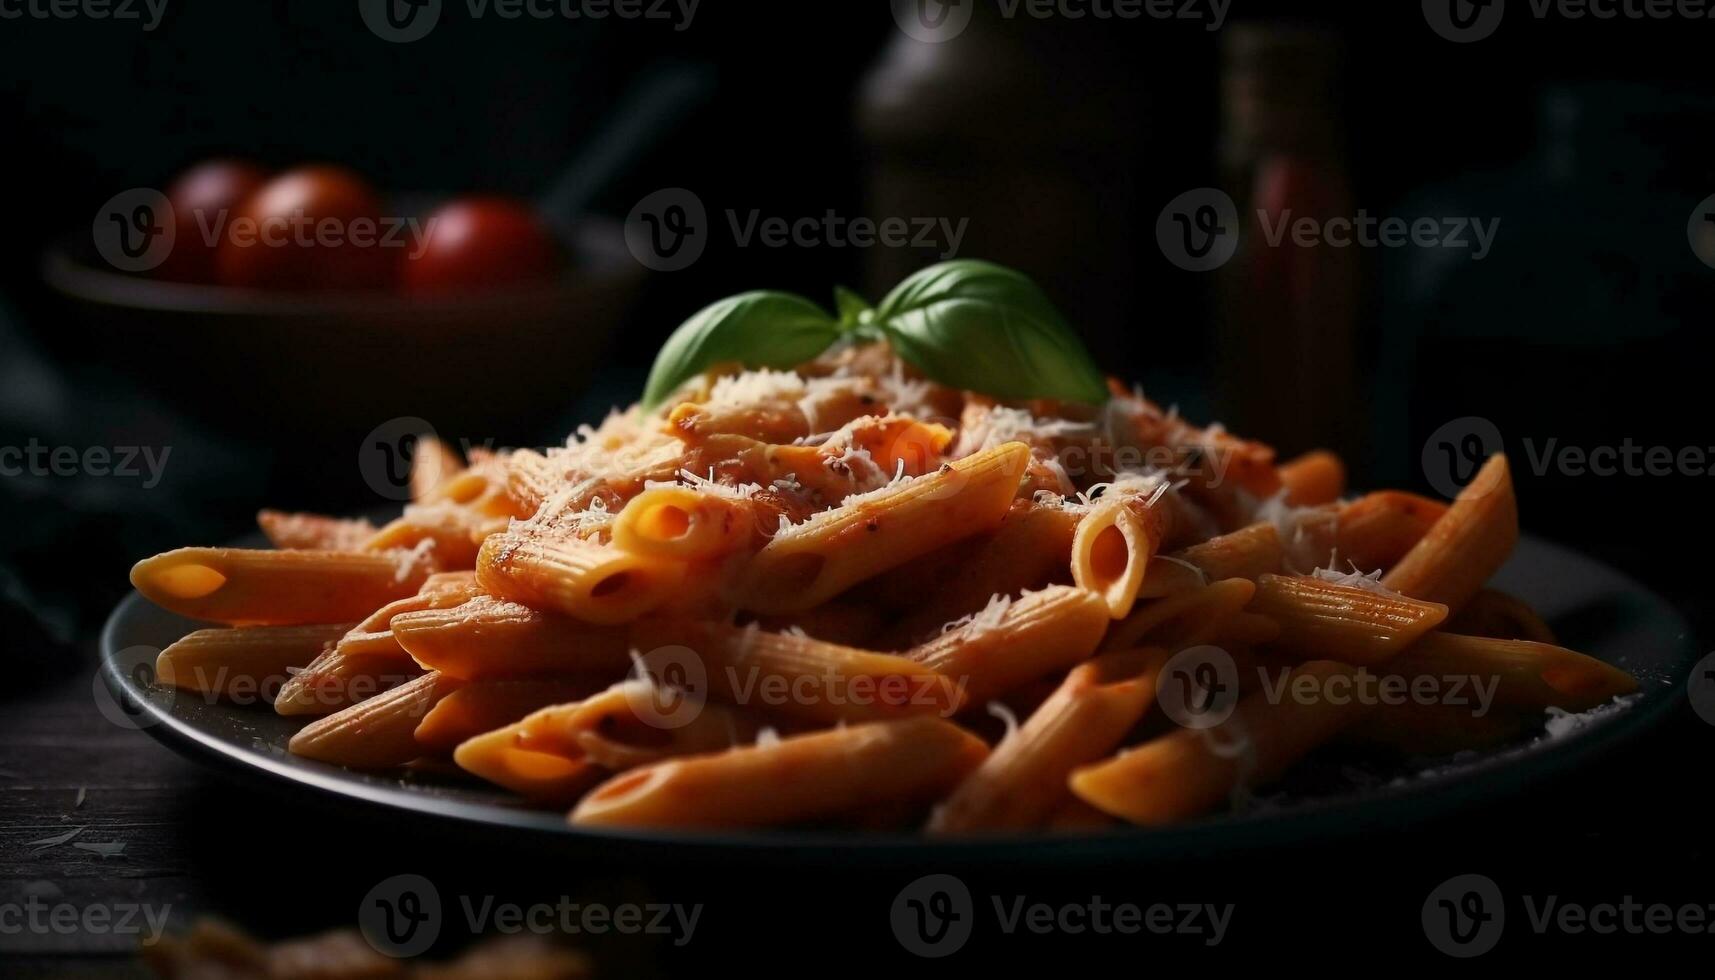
column 914, row 572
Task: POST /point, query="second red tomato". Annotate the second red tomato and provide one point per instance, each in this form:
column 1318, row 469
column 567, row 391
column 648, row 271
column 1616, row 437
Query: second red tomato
column 481, row 243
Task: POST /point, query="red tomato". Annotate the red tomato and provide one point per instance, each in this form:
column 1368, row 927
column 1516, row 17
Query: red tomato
column 311, row 228
column 204, row 199
column 481, row 243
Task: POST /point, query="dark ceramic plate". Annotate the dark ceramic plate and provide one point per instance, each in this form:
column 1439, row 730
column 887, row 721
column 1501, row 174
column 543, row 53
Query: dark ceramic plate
column 1592, row 608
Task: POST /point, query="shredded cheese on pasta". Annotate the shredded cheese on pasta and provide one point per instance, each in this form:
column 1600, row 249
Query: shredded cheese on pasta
column 983, row 620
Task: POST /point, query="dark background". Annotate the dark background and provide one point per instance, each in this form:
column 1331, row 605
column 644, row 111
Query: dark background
column 1061, row 142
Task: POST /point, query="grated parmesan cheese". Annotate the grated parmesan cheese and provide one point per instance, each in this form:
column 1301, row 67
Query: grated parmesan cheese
column 1006, row 716
column 751, row 387
column 1295, row 525
column 1001, row 425
column 1202, row 576
column 1150, row 485
column 899, row 481
column 987, row 618
column 414, row 558
column 1562, row 723
column 708, row 484
column 1354, row 579
column 554, row 512
column 906, row 396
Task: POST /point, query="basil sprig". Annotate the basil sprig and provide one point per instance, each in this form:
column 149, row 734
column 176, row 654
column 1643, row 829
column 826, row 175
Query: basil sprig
column 967, row 323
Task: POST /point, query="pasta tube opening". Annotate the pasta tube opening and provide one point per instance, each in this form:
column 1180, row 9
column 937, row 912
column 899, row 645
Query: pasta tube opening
column 1110, row 553
column 189, row 581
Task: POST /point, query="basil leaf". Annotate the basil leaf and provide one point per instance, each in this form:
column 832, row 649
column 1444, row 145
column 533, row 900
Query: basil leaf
column 850, row 307
column 757, row 329
column 976, row 325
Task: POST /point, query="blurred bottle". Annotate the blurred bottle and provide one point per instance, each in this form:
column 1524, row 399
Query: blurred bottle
column 1585, row 325
column 1287, row 314
column 1029, row 130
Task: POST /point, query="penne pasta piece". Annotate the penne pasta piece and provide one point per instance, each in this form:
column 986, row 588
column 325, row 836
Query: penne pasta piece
column 863, row 455
column 622, row 728
column 1527, row 676
column 793, row 412
column 589, row 581
column 1378, row 529
column 488, row 638
column 433, row 464
column 790, row 780
column 898, row 441
column 242, row 662
column 1188, row 773
column 242, row 587
column 483, row 706
column 375, row 734
column 1022, row 783
column 368, row 659
column 810, row 563
column 338, row 679
column 1248, row 553
column 1211, row 458
column 1183, row 615
column 800, row 677
column 531, row 478
column 1314, row 478
column 1466, row 546
column 779, row 422
column 470, row 487
column 453, row 531
column 678, row 523
column 313, row 532
column 1320, row 619
column 374, row 637
column 1503, row 617
column 541, row 777
column 1110, row 552
column 1017, row 641
column 1028, row 551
